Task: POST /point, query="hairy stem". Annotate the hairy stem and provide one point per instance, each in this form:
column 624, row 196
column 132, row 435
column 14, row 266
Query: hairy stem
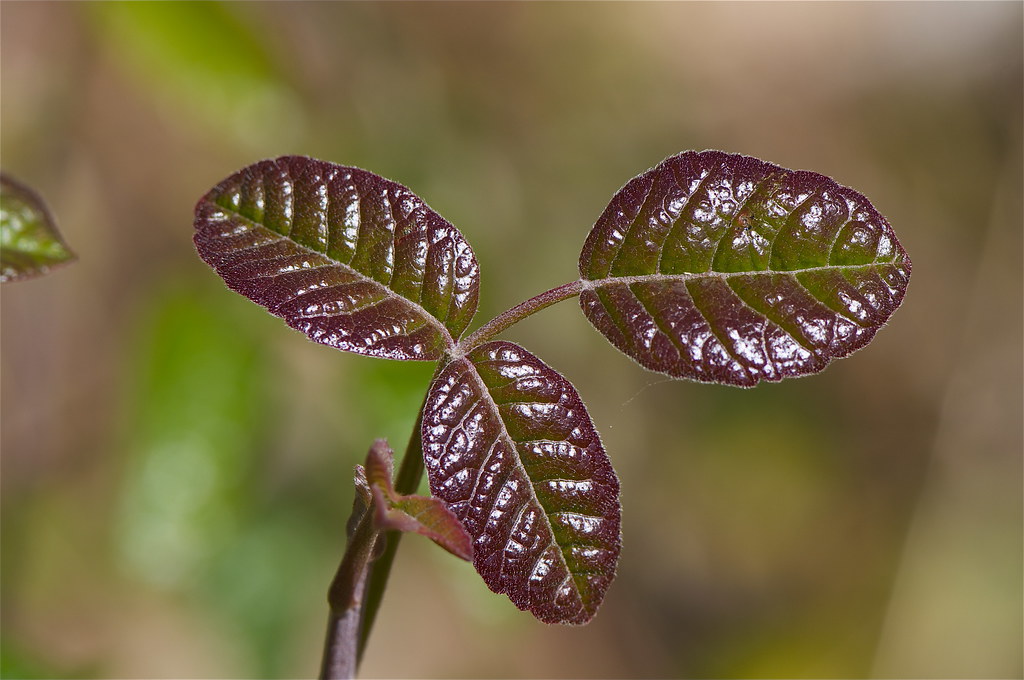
column 407, row 481
column 520, row 312
column 345, row 598
column 358, row 588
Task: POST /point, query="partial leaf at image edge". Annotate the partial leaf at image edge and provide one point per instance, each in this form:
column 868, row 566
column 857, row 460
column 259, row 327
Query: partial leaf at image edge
column 30, row 244
column 723, row 268
column 509, row 446
column 351, row 259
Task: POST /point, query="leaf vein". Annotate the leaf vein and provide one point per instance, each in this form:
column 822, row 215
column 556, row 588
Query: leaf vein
column 561, row 479
column 483, row 465
column 689, row 276
column 417, row 307
column 482, row 387
column 612, row 312
column 676, row 342
column 683, row 212
column 774, row 321
column 771, row 244
column 838, row 312
column 632, row 226
column 714, row 331
column 739, row 209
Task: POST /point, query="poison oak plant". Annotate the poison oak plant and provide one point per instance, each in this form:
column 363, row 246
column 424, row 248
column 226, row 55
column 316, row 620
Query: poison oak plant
column 711, row 266
column 30, row 244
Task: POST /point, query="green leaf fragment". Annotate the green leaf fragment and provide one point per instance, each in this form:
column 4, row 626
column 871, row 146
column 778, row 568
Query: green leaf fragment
column 30, row 244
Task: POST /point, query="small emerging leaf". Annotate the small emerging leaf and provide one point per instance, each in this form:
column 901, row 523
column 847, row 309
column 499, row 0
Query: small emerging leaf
column 724, row 268
column 429, row 517
column 361, row 502
column 509, row 445
column 29, row 241
column 349, row 258
column 419, row 514
column 380, row 467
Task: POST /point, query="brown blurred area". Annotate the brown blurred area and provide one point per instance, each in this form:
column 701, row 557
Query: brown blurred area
column 176, row 465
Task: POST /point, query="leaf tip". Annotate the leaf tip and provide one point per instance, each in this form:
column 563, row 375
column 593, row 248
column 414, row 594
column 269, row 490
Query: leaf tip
column 31, row 243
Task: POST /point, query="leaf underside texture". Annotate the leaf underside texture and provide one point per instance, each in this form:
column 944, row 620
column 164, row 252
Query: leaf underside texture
column 723, row 268
column 30, row 244
column 351, row 259
column 509, row 445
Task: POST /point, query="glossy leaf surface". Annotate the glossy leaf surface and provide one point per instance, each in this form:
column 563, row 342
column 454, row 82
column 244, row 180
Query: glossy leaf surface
column 509, row 445
column 724, row 268
column 29, row 241
column 351, row 259
column 418, row 514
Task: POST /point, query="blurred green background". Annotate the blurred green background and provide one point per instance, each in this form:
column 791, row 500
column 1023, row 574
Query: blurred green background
column 177, row 463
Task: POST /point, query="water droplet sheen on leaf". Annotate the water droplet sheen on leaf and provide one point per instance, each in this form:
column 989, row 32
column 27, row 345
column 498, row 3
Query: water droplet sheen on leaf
column 723, row 268
column 509, row 445
column 351, row 259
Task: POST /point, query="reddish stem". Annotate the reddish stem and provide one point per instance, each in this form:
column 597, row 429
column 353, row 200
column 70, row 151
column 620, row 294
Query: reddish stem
column 518, row 313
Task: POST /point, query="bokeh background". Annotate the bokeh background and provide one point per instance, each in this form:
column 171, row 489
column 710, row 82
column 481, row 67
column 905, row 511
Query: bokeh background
column 176, row 464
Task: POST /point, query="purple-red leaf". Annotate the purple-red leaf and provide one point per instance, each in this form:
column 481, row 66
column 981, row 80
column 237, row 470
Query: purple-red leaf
column 723, row 268
column 351, row 259
column 509, row 445
column 418, row 514
column 428, row 517
column 380, row 467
